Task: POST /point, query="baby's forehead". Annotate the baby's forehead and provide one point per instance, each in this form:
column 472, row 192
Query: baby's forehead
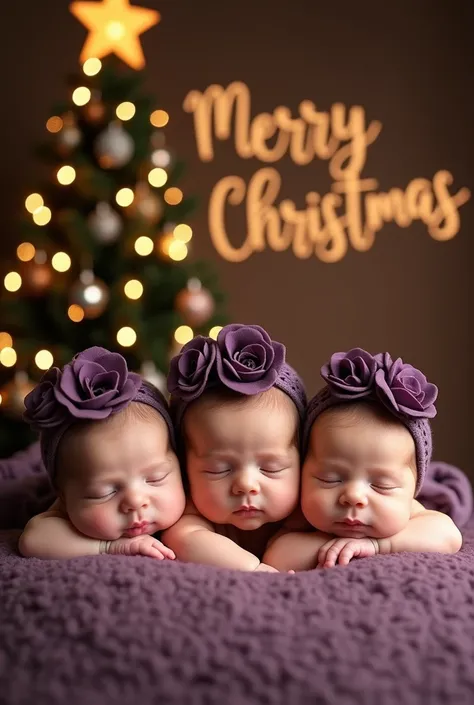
column 367, row 431
column 241, row 422
column 217, row 402
column 120, row 437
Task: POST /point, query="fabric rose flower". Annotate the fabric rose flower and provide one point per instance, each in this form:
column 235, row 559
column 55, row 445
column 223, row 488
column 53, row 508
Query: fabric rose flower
column 193, row 368
column 248, row 360
column 350, row 374
column 42, row 409
column 405, row 389
column 95, row 384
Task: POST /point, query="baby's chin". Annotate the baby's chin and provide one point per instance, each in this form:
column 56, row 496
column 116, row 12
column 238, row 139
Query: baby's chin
column 248, row 524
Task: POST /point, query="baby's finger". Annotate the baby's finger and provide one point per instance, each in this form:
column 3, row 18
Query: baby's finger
column 322, row 553
column 291, row 572
column 346, row 554
column 167, row 552
column 151, row 552
column 332, row 556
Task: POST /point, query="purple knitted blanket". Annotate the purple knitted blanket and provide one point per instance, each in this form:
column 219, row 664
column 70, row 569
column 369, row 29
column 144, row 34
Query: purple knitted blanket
column 388, row 630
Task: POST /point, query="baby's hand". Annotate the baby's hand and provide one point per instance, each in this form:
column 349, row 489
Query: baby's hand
column 144, row 545
column 342, row 550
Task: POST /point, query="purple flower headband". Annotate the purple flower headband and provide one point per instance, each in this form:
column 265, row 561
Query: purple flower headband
column 93, row 386
column 357, row 375
column 243, row 358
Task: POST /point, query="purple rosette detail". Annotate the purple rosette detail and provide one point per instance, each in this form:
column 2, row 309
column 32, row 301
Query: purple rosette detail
column 193, row 369
column 350, row 375
column 96, row 384
column 404, row 389
column 248, row 360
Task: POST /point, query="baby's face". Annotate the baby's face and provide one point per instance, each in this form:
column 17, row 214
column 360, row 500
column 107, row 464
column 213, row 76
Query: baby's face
column 242, row 461
column 121, row 478
column 357, row 478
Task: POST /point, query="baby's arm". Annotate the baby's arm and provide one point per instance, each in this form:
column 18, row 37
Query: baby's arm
column 427, row 531
column 295, row 550
column 51, row 535
column 193, row 539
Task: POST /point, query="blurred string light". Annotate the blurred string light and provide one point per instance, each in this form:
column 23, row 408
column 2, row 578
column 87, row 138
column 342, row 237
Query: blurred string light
column 177, row 250
column 66, row 175
column 214, row 332
column 183, row 232
column 183, row 334
column 157, row 177
column 92, row 66
column 54, row 124
column 81, row 96
column 25, row 252
column 42, row 216
column 164, row 242
column 75, row 313
column 143, row 245
column 161, row 157
column 126, row 336
column 6, row 341
column 124, row 197
column 44, row 359
column 133, row 289
column 12, row 281
column 34, row 202
column 125, row 111
column 173, row 196
column 159, row 118
column 61, row 262
column 8, row 357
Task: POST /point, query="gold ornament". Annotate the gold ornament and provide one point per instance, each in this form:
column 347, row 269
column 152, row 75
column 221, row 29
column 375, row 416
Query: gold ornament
column 114, row 27
column 146, row 204
column 91, row 294
column 105, row 223
column 195, row 303
column 14, row 393
column 94, row 110
column 114, row 147
column 36, row 275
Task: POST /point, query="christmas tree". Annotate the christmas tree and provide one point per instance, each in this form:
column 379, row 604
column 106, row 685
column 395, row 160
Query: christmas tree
column 103, row 246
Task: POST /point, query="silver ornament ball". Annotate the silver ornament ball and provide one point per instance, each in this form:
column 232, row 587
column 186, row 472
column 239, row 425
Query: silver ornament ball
column 105, row 223
column 91, row 294
column 114, row 147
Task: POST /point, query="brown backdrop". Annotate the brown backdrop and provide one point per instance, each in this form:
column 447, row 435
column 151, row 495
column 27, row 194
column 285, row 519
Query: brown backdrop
column 411, row 68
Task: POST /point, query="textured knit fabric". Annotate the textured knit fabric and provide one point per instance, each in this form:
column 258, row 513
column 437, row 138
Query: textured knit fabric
column 388, row 630
column 109, row 630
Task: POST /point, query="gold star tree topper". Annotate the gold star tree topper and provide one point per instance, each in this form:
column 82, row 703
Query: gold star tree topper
column 114, row 27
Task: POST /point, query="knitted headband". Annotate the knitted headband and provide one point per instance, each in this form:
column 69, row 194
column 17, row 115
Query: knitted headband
column 93, row 386
column 243, row 358
column 402, row 389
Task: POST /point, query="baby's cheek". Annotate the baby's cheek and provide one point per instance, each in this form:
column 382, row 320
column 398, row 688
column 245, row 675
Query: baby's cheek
column 97, row 522
column 170, row 507
column 392, row 517
column 314, row 507
column 288, row 496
